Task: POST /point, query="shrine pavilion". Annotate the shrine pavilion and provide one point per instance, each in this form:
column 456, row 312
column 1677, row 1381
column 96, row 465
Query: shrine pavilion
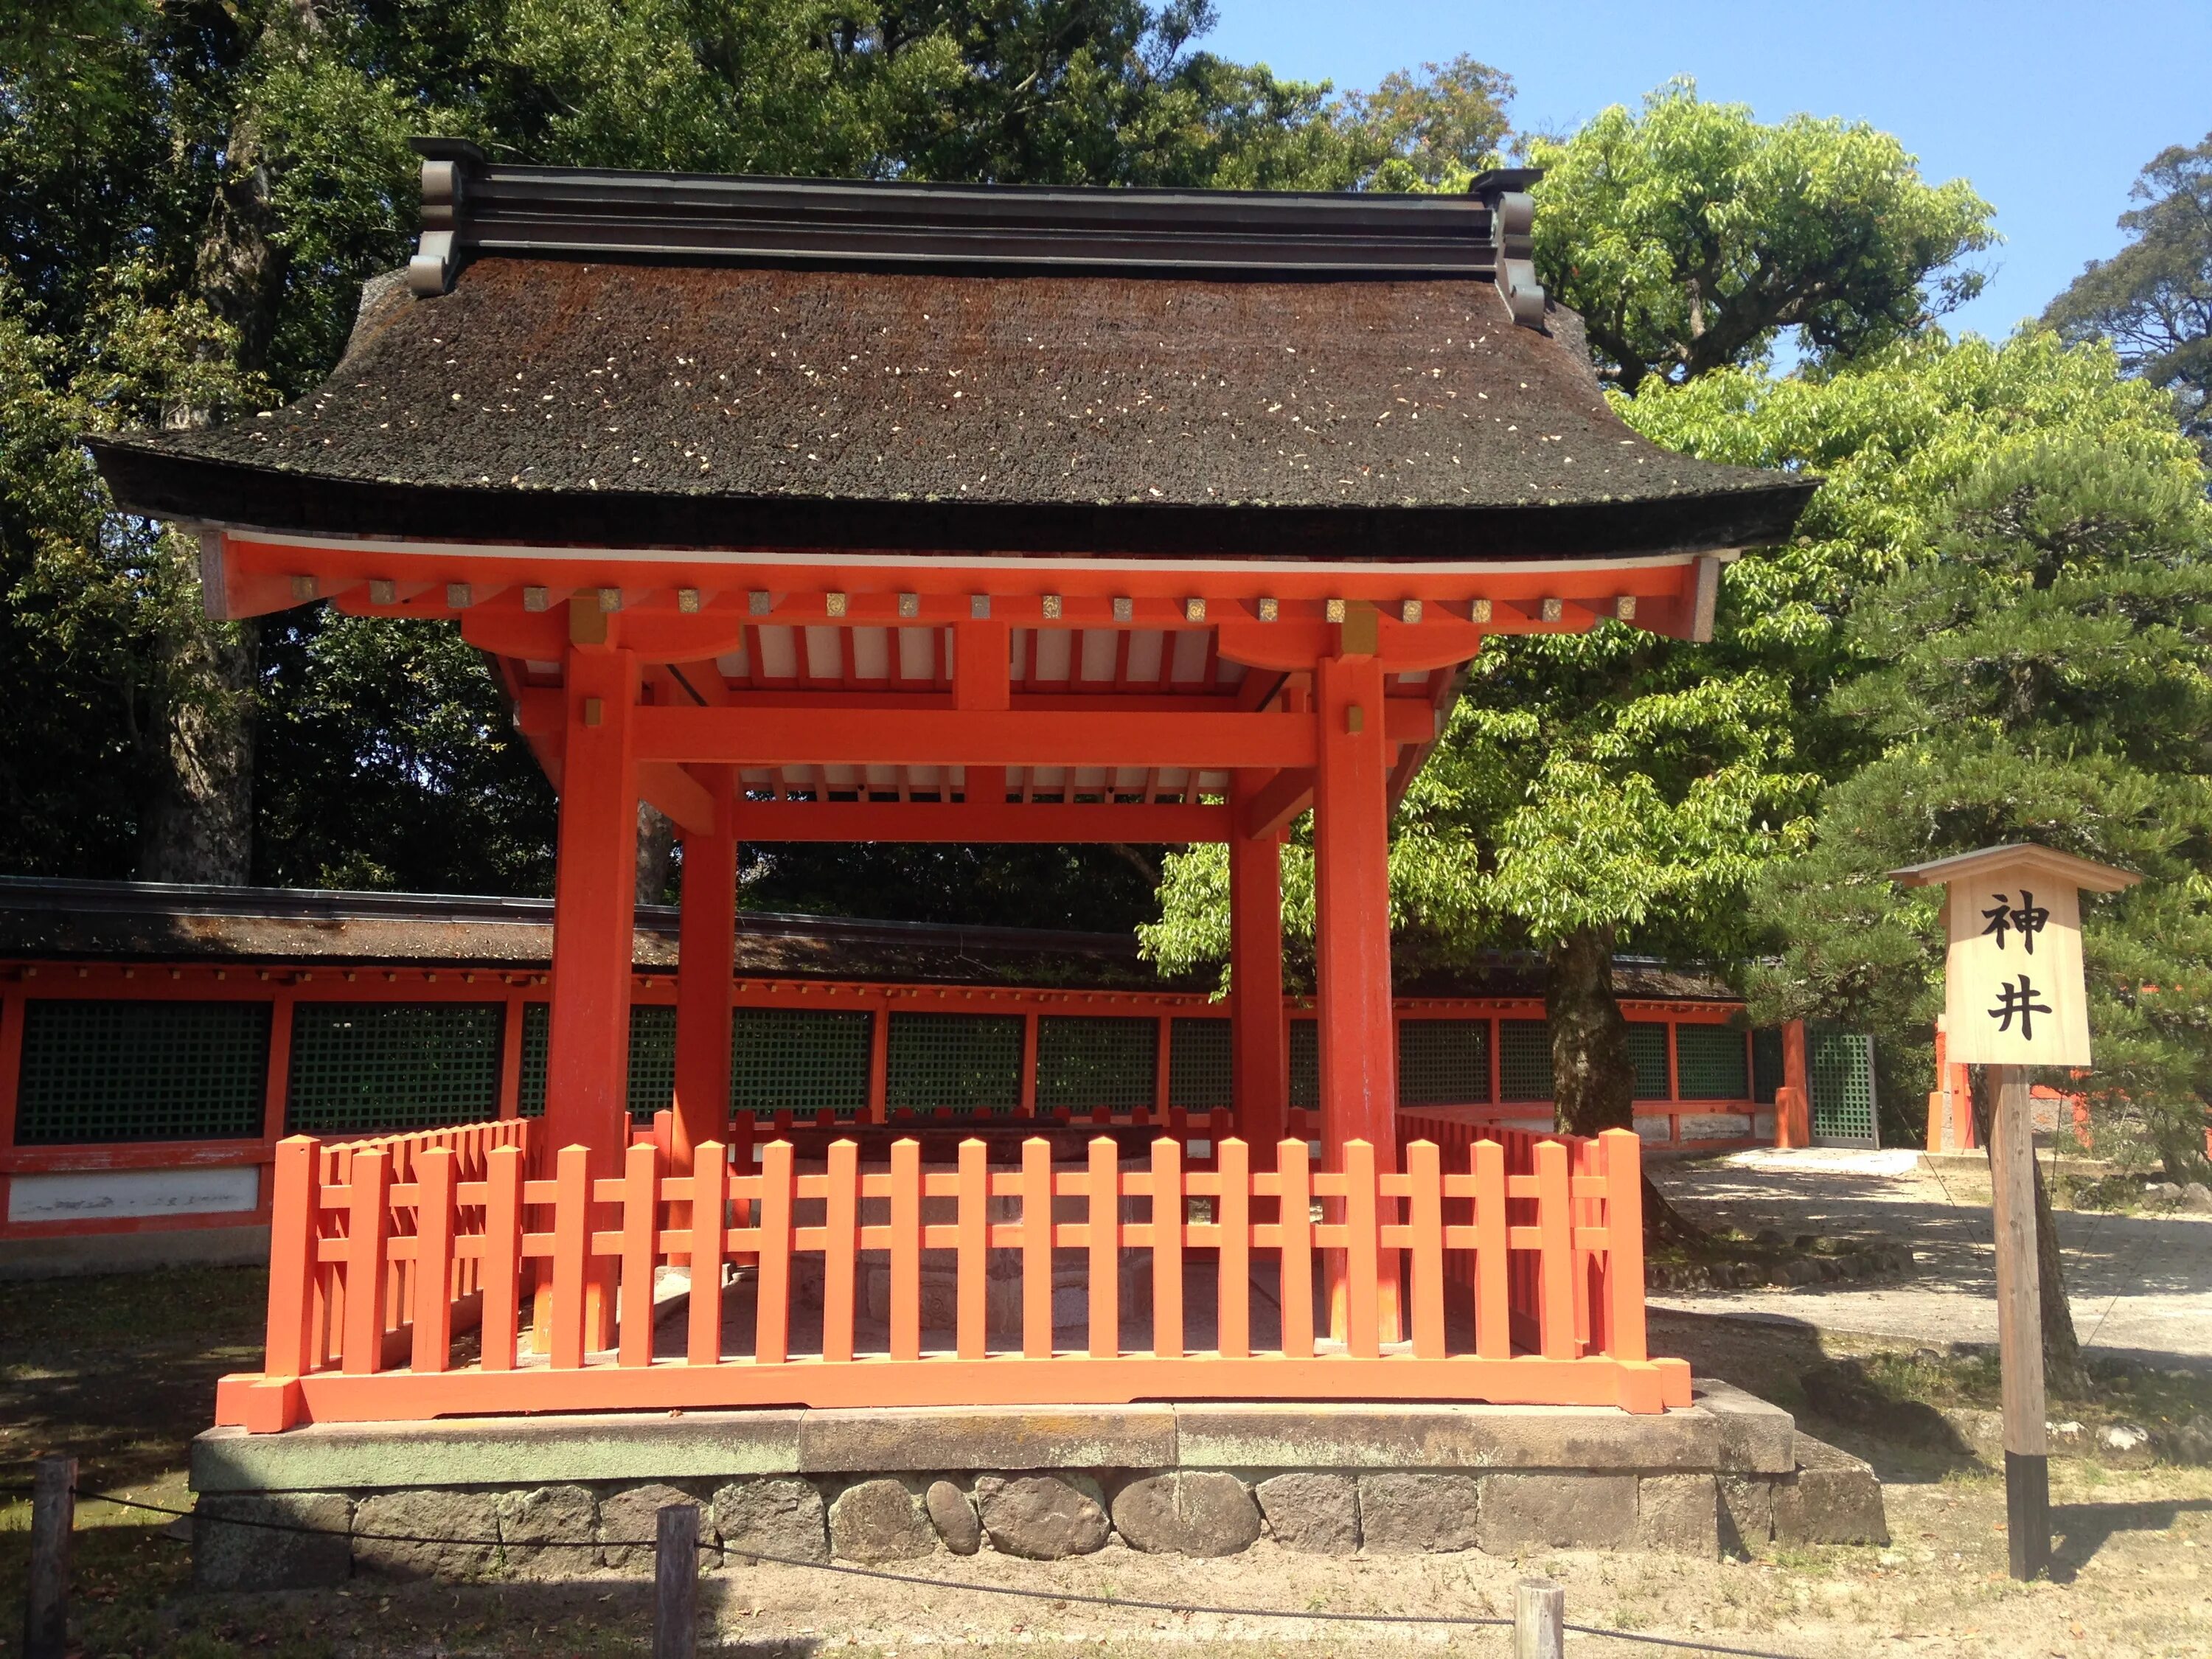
column 828, row 511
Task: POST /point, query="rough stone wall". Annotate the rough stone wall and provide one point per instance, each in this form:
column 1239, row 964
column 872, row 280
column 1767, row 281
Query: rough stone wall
column 580, row 1530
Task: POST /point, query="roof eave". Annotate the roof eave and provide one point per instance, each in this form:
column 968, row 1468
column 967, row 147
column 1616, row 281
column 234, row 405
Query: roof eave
column 161, row 482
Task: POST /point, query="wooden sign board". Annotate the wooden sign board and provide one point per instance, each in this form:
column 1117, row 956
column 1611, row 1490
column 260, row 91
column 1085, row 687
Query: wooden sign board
column 2013, row 994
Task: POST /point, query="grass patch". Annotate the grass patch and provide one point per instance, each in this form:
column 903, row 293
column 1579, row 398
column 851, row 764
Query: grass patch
column 2118, row 1391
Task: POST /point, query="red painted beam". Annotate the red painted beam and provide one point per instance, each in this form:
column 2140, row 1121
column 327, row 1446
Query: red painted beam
column 1274, row 806
column 1050, row 822
column 835, row 736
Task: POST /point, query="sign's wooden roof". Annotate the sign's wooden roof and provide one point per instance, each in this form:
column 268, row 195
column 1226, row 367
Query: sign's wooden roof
column 2085, row 873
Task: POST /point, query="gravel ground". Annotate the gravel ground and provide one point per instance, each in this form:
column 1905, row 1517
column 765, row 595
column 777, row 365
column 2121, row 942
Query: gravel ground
column 2138, row 1284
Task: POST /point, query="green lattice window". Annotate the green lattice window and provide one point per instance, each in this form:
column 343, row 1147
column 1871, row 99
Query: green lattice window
column 1524, row 1059
column 1201, row 1067
column 1085, row 1062
column 652, row 1060
column 1712, row 1062
column 801, row 1061
column 964, row 1062
column 1840, row 1071
column 530, row 1087
column 1443, row 1062
column 1765, row 1064
column 141, row 1071
column 374, row 1068
column 1306, row 1064
column 1647, row 1053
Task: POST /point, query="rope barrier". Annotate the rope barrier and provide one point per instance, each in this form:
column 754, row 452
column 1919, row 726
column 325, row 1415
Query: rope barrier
column 917, row 1581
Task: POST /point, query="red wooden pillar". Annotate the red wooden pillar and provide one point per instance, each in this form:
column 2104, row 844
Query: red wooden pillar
column 1351, row 936
column 1793, row 1101
column 706, row 961
column 1259, row 1029
column 595, row 918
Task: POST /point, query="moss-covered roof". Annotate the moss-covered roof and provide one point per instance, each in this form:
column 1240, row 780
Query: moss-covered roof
column 790, row 398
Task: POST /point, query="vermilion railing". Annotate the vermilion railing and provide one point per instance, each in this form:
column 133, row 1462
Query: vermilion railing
column 1519, row 1260
column 376, row 1242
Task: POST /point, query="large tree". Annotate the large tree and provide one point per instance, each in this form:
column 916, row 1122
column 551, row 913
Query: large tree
column 1689, row 235
column 1620, row 789
column 2045, row 674
column 1615, row 789
column 191, row 193
column 2153, row 299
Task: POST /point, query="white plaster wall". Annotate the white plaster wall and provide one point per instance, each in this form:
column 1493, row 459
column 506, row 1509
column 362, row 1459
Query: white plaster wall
column 111, row 1194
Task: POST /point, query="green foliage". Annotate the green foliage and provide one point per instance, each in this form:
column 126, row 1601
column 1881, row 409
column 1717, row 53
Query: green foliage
column 1689, row 235
column 2045, row 675
column 1090, row 888
column 2153, row 299
column 89, row 596
column 389, row 760
column 1890, row 437
column 1435, row 131
column 191, row 193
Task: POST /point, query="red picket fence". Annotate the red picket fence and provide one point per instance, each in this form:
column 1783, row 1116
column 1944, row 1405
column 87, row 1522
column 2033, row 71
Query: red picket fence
column 374, row 1241
column 1518, row 1261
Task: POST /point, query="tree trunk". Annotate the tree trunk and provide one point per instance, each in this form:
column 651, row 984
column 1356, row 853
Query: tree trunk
column 2061, row 1350
column 656, row 854
column 1593, row 1080
column 199, row 825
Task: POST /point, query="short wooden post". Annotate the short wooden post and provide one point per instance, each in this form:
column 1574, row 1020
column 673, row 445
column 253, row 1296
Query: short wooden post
column 1540, row 1617
column 2019, row 1324
column 676, row 1582
column 53, row 1518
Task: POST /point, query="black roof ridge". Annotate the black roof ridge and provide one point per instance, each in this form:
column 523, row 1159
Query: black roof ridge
column 473, row 204
column 473, row 155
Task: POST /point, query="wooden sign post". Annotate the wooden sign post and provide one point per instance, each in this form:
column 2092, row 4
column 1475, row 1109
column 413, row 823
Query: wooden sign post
column 2013, row 998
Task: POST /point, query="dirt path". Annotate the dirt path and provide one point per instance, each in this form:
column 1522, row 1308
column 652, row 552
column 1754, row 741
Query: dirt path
column 123, row 1371
column 2140, row 1284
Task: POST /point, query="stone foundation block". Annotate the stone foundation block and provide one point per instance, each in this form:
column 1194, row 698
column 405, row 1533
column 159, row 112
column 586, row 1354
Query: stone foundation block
column 1679, row 1514
column 1833, row 1498
column 781, row 1515
column 429, row 1513
column 1557, row 1509
column 1403, row 1513
column 879, row 1520
column 954, row 1517
column 1316, row 1514
column 1746, row 1512
column 629, row 1527
column 1043, row 1516
column 1186, row 1512
column 1755, row 1436
column 258, row 1557
column 935, row 1439
column 547, row 1532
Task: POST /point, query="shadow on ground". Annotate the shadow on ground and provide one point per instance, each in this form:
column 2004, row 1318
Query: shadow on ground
column 2080, row 1530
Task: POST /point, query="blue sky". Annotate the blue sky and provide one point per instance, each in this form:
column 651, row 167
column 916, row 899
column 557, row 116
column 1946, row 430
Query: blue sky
column 2049, row 109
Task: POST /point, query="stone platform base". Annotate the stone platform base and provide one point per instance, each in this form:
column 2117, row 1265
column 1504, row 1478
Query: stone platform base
column 544, row 1498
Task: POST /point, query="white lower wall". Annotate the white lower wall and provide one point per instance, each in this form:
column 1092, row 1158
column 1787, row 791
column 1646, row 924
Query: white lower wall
column 115, row 1194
